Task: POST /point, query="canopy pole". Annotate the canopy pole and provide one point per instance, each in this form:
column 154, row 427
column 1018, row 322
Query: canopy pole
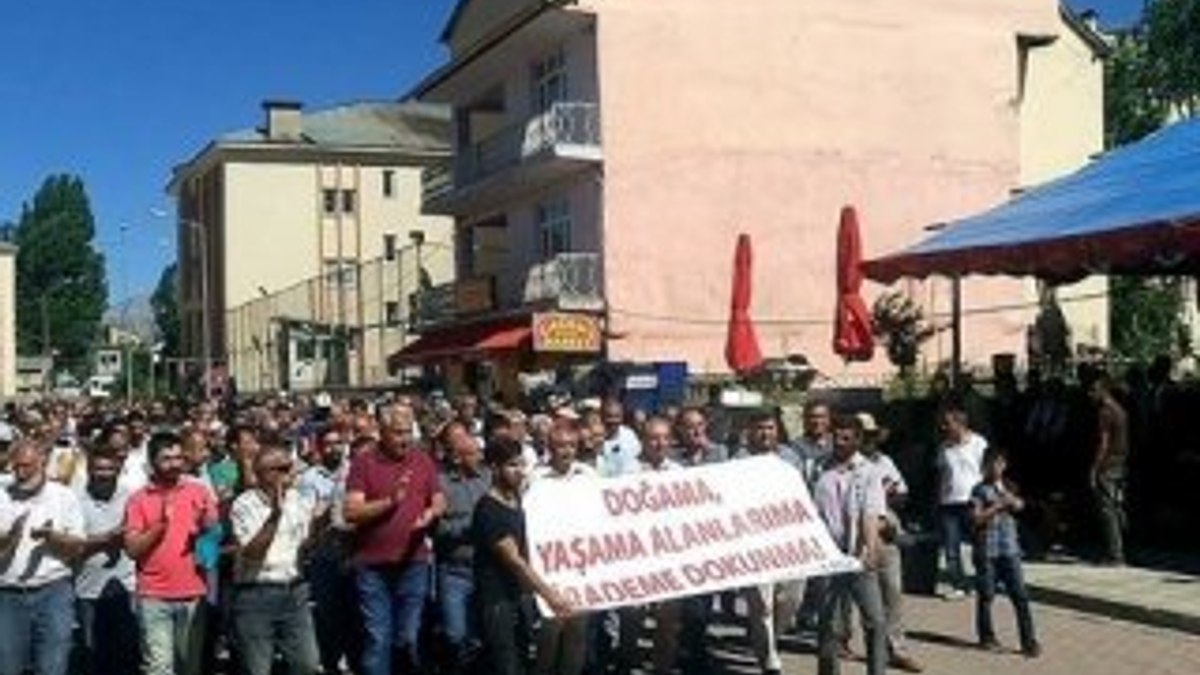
column 955, row 330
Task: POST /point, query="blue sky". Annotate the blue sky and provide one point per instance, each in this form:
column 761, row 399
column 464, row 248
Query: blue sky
column 120, row 91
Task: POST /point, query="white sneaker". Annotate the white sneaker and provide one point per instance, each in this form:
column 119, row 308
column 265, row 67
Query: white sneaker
column 954, row 594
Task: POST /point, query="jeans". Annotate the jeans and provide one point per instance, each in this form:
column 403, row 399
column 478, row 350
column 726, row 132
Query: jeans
column 110, row 631
column 172, row 636
column 1109, row 489
column 772, row 609
column 270, row 617
column 1007, row 571
column 456, row 601
column 954, row 520
column 335, row 612
column 501, row 621
column 35, row 629
column 863, row 589
column 392, row 600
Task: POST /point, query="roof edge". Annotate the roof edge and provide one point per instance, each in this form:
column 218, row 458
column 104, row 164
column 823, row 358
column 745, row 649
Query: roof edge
column 1094, row 38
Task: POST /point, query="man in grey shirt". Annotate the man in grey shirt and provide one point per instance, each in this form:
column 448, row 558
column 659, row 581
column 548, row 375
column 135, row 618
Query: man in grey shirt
column 463, row 483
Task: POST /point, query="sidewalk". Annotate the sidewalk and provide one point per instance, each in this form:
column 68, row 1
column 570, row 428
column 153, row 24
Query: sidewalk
column 1154, row 596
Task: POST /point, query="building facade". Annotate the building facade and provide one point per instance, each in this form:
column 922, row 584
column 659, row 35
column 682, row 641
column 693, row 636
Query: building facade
column 293, row 240
column 613, row 150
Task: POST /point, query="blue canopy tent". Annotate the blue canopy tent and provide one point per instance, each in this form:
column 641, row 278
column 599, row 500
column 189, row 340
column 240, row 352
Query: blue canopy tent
column 1135, row 210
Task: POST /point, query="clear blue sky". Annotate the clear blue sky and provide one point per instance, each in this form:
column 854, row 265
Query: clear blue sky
column 120, row 91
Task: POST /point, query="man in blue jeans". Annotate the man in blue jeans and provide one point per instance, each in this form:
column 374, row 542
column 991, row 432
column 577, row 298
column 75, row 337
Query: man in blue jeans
column 392, row 498
column 41, row 533
column 959, row 465
column 464, row 482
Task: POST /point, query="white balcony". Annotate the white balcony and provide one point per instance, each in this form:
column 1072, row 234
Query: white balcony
column 551, row 145
column 568, row 281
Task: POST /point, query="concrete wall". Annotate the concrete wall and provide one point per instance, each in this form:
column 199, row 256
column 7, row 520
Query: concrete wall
column 767, row 120
column 1062, row 127
column 8, row 321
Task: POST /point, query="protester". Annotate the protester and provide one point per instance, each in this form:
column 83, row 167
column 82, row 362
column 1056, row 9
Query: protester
column 695, row 448
column 392, row 499
column 998, row 554
column 813, row 448
column 106, row 580
column 502, row 571
column 271, row 524
column 850, row 498
column 621, row 448
column 959, row 463
column 891, row 573
column 772, row 607
column 41, row 535
column 464, row 481
column 561, row 645
column 162, row 522
column 1108, row 467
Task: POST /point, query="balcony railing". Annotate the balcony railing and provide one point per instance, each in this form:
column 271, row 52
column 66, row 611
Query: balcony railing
column 436, row 182
column 565, row 124
column 444, row 303
column 568, row 281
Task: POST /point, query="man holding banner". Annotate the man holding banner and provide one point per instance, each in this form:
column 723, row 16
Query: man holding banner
column 850, row 498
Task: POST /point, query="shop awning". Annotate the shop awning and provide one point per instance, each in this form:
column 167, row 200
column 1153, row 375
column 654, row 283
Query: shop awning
column 1136, row 210
column 463, row 342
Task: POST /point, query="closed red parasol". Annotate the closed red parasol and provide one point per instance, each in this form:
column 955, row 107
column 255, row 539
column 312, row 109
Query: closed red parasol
column 852, row 336
column 741, row 347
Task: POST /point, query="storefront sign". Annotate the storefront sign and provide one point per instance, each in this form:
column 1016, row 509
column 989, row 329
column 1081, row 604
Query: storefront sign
column 566, row 333
column 660, row 535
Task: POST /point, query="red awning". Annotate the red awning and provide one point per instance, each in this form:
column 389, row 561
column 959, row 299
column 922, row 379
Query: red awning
column 463, row 342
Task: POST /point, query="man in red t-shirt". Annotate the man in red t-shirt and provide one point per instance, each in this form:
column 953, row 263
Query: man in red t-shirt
column 392, row 498
column 162, row 522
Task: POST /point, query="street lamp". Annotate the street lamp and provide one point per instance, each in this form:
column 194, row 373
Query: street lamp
column 200, row 231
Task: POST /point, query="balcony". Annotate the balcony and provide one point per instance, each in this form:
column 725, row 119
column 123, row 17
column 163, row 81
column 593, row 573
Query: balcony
column 553, row 144
column 569, row 282
column 450, row 301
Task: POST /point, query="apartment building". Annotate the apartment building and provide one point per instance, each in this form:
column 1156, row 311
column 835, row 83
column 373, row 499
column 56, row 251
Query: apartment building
column 301, row 241
column 608, row 153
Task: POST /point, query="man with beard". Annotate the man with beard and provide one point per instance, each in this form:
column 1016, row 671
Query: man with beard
column 162, row 523
column 106, row 579
column 41, row 534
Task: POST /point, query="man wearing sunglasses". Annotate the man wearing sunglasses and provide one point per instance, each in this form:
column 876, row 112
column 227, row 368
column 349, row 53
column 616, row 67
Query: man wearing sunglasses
column 271, row 524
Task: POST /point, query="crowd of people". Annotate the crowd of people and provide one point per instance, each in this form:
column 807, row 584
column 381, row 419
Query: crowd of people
column 385, row 536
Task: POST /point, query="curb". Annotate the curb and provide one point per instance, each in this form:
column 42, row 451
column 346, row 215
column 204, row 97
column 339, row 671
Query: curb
column 1150, row 616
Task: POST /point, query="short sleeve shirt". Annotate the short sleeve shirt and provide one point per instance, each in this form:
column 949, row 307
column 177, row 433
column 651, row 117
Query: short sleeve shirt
column 619, row 454
column 32, row 565
column 492, row 522
column 391, row 537
column 101, row 516
column 845, row 495
column 170, row 570
column 998, row 537
column 960, row 467
column 281, row 564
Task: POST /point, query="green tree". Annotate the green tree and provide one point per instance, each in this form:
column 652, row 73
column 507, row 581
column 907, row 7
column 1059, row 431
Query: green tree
column 165, row 303
column 1173, row 53
column 61, row 289
column 1132, row 107
column 1146, row 317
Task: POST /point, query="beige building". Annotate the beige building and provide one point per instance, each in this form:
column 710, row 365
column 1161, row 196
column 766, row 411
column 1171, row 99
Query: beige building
column 305, row 239
column 609, row 152
column 8, row 320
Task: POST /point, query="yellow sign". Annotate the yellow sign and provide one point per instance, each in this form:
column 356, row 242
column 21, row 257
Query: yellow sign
column 566, row 333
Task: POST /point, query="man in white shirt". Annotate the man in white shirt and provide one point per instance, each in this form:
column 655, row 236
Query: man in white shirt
column 106, row 579
column 621, row 451
column 271, row 523
column 959, row 464
column 41, row 533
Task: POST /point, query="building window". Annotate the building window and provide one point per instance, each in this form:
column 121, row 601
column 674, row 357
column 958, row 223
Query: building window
column 348, row 201
column 341, row 273
column 391, row 311
column 550, row 81
column 389, row 183
column 329, row 200
column 389, row 247
column 554, row 227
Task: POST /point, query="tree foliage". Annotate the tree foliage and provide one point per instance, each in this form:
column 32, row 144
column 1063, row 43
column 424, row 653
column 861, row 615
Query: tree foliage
column 1173, row 52
column 1146, row 317
column 1132, row 107
column 61, row 288
column 901, row 325
column 165, row 303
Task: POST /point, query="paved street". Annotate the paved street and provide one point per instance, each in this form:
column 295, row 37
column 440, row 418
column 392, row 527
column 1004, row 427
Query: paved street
column 941, row 635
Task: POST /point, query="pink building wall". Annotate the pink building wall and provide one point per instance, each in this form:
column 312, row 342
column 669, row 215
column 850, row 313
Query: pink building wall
column 768, row 116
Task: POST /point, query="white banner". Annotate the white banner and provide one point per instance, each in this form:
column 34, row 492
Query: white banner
column 659, row 535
